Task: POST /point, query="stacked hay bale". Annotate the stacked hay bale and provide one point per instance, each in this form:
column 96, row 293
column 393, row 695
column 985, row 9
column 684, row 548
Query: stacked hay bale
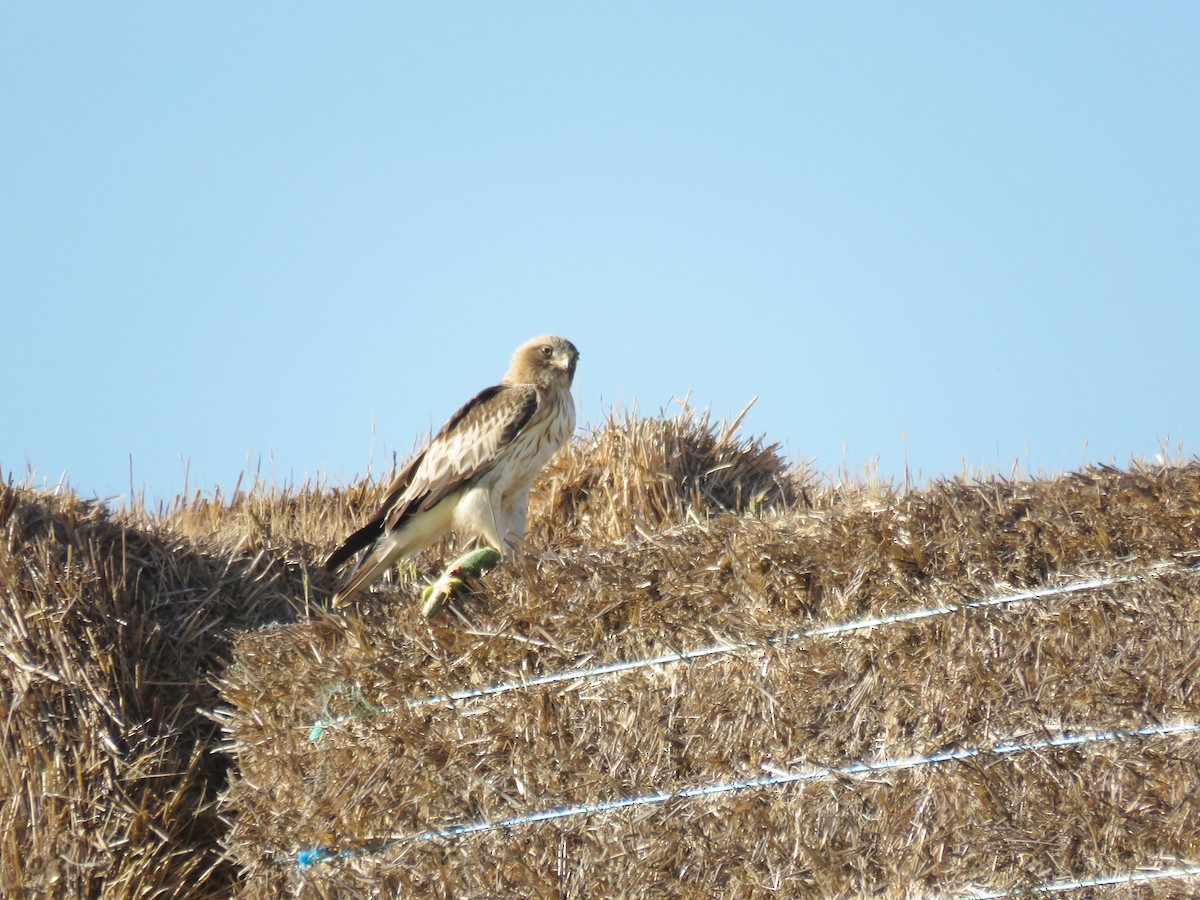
column 113, row 629
column 182, row 717
column 109, row 785
column 359, row 772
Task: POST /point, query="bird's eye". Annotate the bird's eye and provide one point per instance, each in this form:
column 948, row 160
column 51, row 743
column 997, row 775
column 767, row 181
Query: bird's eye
column 547, row 351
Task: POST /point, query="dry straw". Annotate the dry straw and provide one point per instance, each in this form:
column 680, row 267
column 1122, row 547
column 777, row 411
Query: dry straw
column 306, row 858
column 364, row 708
column 160, row 676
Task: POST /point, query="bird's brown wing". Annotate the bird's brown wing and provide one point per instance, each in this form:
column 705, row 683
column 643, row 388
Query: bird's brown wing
column 468, row 445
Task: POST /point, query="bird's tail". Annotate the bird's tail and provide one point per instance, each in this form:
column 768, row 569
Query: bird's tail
column 364, row 537
column 370, row 570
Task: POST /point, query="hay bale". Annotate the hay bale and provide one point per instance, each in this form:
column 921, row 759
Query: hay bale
column 106, row 770
column 160, row 677
column 113, row 628
column 1113, row 657
column 647, row 474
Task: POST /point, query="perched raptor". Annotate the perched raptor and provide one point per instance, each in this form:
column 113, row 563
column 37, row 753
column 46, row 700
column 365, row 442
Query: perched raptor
column 474, row 476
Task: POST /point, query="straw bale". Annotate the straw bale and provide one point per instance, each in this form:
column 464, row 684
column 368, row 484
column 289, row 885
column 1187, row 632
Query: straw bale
column 112, row 629
column 646, row 474
column 1112, row 658
column 161, row 676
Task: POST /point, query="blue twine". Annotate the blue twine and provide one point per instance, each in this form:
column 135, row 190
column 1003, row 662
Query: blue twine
column 306, row 858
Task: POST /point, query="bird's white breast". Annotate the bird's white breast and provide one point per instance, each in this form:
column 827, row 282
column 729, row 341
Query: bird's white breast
column 548, row 432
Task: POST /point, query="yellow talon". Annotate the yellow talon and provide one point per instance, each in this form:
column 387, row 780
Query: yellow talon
column 470, row 565
column 434, row 596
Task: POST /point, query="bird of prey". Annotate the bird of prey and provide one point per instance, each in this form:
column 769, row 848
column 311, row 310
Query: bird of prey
column 474, row 477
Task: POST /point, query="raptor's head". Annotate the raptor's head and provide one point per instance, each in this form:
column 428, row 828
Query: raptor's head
column 547, row 361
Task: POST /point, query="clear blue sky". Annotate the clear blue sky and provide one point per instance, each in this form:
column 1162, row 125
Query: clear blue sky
column 296, row 234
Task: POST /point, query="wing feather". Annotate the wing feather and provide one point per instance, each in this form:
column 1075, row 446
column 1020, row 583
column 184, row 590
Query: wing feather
column 467, row 446
column 373, row 530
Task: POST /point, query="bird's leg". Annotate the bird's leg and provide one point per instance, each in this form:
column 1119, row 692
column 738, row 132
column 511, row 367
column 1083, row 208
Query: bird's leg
column 473, row 564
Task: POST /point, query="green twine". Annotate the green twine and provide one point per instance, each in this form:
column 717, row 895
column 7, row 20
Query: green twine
column 361, row 708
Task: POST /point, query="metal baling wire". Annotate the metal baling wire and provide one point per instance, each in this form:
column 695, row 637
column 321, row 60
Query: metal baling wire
column 1062, row 887
column 306, row 858
column 866, row 624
